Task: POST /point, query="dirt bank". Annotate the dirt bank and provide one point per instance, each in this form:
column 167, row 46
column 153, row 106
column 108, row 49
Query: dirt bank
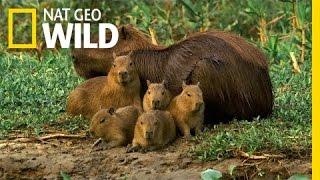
column 74, row 157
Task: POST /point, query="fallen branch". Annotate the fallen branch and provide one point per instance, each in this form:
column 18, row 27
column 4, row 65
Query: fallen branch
column 43, row 138
column 96, row 143
column 259, row 157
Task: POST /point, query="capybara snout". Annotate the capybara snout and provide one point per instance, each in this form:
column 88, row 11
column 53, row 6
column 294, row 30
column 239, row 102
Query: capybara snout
column 156, row 104
column 149, row 134
column 149, row 128
column 123, row 69
column 120, row 88
column 187, row 108
column 157, row 96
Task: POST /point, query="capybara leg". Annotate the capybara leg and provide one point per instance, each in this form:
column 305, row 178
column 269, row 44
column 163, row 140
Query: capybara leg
column 133, row 148
column 198, row 129
column 185, row 129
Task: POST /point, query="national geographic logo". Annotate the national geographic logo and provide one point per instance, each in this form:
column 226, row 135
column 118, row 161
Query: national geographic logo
column 80, row 30
column 33, row 43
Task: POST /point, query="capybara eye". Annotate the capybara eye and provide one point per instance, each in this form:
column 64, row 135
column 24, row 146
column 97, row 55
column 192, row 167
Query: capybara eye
column 131, row 64
column 102, row 120
column 114, row 65
column 188, row 94
column 141, row 122
column 163, row 93
column 149, row 92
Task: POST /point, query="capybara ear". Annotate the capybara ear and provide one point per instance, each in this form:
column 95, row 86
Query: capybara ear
column 111, row 110
column 184, row 84
column 114, row 55
column 123, row 33
column 198, row 84
column 164, row 83
column 148, row 83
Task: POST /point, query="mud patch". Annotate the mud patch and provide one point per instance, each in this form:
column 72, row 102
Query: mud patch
column 76, row 158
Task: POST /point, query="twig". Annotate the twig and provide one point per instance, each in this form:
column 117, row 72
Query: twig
column 62, row 136
column 43, row 138
column 273, row 21
column 255, row 157
column 153, row 36
column 295, row 64
column 96, row 142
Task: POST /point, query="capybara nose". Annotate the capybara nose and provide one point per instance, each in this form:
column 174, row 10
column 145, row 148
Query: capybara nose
column 149, row 135
column 123, row 74
column 155, row 104
column 91, row 133
column 199, row 104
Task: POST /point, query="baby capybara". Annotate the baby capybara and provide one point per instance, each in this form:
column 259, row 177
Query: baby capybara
column 233, row 73
column 153, row 130
column 120, row 88
column 187, row 109
column 115, row 127
column 157, row 97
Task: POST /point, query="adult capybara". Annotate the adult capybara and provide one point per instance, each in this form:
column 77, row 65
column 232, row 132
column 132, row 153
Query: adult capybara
column 154, row 129
column 115, row 127
column 120, row 88
column 187, row 109
column 233, row 74
column 157, row 97
column 92, row 62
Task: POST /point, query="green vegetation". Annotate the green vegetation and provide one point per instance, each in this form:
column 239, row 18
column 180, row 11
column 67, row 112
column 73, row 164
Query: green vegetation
column 33, row 92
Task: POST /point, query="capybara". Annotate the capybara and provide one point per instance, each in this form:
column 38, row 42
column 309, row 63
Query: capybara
column 116, row 128
column 157, row 97
column 120, row 88
column 93, row 62
column 233, row 74
column 154, row 129
column 187, row 109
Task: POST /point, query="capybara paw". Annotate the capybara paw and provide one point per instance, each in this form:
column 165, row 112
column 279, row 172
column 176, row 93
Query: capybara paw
column 131, row 148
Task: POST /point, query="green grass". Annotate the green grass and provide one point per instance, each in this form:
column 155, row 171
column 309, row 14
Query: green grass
column 287, row 131
column 33, row 93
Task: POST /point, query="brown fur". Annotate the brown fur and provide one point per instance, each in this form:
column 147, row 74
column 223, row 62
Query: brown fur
column 115, row 128
column 153, row 130
column 157, row 97
column 233, row 74
column 120, row 88
column 90, row 63
column 187, row 109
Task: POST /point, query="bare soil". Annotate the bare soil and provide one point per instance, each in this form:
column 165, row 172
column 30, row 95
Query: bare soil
column 74, row 157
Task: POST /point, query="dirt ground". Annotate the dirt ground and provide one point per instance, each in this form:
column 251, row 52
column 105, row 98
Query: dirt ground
column 74, row 157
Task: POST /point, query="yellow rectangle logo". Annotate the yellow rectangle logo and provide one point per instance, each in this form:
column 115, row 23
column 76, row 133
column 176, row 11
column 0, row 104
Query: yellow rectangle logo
column 33, row 29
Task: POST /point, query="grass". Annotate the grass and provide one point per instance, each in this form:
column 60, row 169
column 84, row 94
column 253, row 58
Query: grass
column 33, row 93
column 33, row 96
column 287, row 131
